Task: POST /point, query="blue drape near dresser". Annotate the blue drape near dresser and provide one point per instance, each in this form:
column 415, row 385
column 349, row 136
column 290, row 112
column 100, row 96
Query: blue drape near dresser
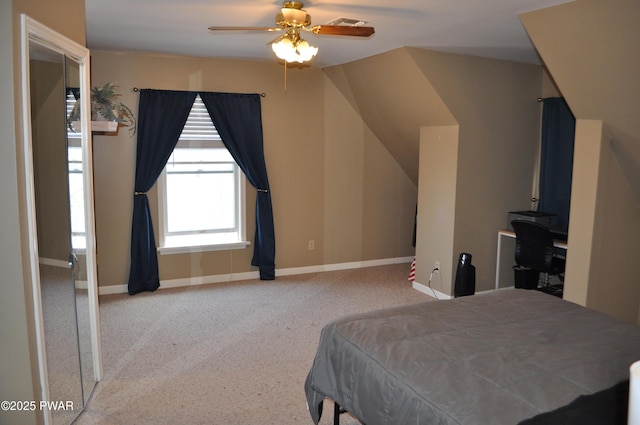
column 556, row 159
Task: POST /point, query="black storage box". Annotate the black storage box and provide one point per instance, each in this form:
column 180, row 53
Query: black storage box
column 525, row 278
column 548, row 220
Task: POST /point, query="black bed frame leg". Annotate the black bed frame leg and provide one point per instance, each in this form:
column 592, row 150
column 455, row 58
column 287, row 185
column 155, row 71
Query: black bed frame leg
column 336, row 413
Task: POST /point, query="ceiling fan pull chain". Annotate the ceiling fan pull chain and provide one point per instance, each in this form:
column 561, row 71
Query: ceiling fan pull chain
column 285, row 78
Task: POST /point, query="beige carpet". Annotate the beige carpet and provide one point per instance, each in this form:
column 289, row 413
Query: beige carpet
column 233, row 353
column 61, row 339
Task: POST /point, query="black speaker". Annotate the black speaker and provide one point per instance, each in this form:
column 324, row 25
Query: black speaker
column 465, row 277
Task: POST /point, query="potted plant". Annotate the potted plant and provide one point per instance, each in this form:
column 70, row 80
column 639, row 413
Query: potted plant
column 107, row 112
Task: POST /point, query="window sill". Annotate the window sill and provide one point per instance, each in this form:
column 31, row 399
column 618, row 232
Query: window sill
column 164, row 250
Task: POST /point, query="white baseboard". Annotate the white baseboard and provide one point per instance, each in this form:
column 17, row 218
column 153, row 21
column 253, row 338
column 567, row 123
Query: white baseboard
column 80, row 284
column 442, row 296
column 430, row 291
column 203, row 280
column 343, row 266
column 53, row 262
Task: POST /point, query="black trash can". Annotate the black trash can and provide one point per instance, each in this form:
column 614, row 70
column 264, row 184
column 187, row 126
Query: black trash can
column 525, row 278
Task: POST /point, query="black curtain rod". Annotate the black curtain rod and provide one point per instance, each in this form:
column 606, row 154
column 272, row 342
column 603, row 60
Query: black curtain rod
column 135, row 89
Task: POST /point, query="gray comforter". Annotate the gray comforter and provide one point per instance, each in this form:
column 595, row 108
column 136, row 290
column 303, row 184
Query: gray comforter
column 494, row 358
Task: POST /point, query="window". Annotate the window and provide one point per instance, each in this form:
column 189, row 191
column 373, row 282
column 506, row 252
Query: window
column 76, row 183
column 201, row 191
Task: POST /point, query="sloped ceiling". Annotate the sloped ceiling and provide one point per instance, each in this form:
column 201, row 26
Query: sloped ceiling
column 591, row 49
column 395, row 100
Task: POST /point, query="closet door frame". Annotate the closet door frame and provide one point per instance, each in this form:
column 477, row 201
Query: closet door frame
column 33, row 31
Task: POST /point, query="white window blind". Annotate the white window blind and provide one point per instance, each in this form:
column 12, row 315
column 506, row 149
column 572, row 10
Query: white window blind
column 199, row 125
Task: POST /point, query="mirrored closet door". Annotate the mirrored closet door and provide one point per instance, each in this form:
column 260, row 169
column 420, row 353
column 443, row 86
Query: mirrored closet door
column 60, row 208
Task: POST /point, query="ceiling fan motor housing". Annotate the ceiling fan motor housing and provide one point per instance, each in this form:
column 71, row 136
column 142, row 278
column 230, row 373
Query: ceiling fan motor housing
column 292, row 5
column 292, row 15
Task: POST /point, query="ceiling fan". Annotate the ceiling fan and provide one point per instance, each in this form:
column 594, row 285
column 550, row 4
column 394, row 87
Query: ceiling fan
column 292, row 21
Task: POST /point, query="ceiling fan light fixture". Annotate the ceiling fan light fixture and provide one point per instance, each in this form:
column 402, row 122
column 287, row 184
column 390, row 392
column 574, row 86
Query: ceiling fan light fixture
column 306, row 51
column 297, row 50
column 282, row 48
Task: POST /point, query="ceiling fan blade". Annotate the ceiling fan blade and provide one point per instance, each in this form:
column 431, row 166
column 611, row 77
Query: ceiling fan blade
column 271, row 29
column 277, row 39
column 354, row 31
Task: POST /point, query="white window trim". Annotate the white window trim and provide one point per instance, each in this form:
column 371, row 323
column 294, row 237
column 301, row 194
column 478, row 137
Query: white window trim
column 201, row 243
column 240, row 244
column 167, row 250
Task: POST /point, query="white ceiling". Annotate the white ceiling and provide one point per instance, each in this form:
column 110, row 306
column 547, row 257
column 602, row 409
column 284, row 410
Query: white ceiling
column 488, row 28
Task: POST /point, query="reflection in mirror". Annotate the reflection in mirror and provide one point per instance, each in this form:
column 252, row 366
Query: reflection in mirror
column 78, row 220
column 61, row 216
column 57, row 287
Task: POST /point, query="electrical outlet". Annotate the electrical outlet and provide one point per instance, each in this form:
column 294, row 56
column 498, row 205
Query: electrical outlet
column 312, row 245
column 437, row 266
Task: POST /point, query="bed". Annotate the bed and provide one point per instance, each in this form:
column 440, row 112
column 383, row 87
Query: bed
column 505, row 357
